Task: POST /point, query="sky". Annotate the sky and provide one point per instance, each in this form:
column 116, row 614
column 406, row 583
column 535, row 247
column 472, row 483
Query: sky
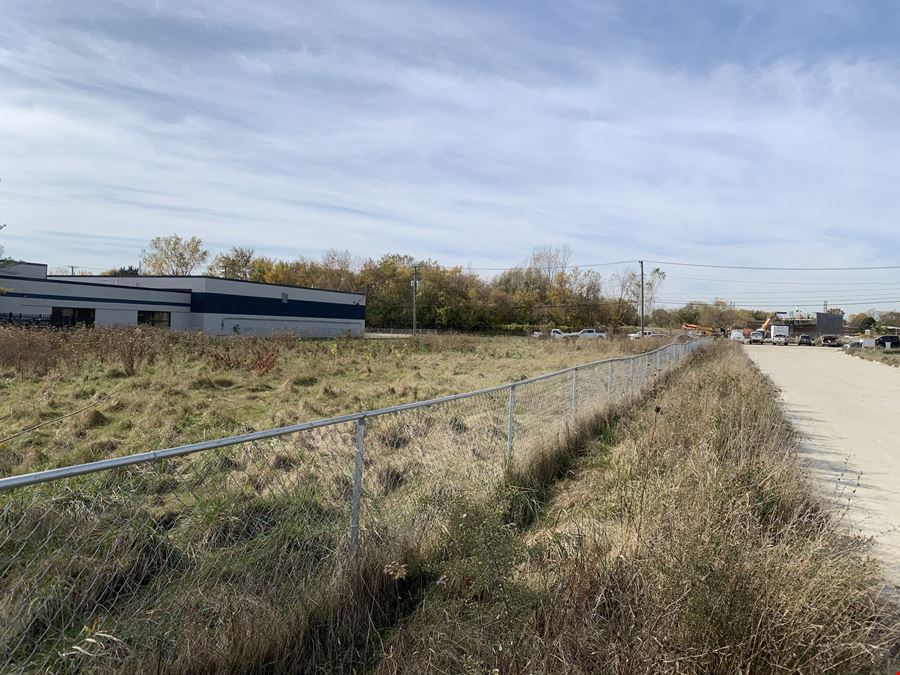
column 741, row 132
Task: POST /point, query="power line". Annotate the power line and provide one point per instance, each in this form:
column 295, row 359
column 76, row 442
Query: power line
column 768, row 303
column 850, row 297
column 532, row 267
column 755, row 282
column 795, row 298
column 893, row 290
column 783, row 269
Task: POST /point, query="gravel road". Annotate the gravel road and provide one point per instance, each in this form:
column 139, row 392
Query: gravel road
column 848, row 410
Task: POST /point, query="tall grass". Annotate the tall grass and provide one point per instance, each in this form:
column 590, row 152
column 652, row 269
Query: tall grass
column 680, row 536
column 692, row 544
column 143, row 388
column 238, row 559
column 877, row 355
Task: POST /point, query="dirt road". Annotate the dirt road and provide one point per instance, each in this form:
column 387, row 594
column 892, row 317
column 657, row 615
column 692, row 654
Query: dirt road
column 849, row 413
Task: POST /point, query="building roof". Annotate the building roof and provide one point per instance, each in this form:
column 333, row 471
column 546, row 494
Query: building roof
column 198, row 276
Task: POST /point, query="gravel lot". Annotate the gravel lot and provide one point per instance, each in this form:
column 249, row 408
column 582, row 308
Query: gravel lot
column 849, row 413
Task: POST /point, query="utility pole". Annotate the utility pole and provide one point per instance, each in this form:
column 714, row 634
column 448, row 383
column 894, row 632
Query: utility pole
column 73, row 269
column 415, row 287
column 642, row 298
column 825, row 307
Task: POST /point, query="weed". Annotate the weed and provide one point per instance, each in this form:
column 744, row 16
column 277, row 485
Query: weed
column 93, row 419
column 683, row 539
column 390, row 479
column 394, row 435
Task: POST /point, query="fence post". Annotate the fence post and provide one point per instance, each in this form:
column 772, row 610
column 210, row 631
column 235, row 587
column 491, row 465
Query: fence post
column 631, row 374
column 357, row 485
column 510, row 425
column 575, row 392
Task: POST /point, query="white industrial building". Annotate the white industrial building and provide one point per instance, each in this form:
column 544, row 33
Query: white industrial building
column 209, row 304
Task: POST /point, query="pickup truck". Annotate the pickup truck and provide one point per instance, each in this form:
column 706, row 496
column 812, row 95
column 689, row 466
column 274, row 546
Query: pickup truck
column 637, row 334
column 588, row 333
column 779, row 339
column 757, row 337
column 555, row 334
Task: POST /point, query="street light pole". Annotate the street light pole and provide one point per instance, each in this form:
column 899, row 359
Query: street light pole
column 415, row 288
column 642, row 298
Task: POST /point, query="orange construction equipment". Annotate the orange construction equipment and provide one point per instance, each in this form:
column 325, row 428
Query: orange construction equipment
column 697, row 330
column 772, row 317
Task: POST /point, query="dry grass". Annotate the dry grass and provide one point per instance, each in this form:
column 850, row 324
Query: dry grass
column 682, row 538
column 238, row 559
column 877, row 355
column 171, row 389
column 693, row 544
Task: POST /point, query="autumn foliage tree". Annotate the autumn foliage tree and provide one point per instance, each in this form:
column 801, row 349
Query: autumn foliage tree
column 172, row 255
column 545, row 291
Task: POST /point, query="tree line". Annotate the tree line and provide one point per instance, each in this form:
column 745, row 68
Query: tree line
column 545, row 290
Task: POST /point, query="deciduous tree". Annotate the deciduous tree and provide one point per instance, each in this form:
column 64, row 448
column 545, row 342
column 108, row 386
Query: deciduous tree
column 236, row 264
column 174, row 256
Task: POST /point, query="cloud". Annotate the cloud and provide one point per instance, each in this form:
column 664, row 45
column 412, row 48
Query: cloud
column 711, row 132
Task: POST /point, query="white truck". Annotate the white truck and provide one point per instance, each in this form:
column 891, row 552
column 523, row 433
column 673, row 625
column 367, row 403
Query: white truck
column 588, row 333
column 779, row 335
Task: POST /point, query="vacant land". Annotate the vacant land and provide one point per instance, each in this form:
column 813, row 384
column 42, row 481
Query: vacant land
column 846, row 410
column 877, row 355
column 673, row 533
column 177, row 565
column 143, row 390
column 683, row 539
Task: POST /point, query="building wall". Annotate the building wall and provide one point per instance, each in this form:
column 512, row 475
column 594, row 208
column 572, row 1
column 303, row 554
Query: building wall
column 829, row 324
column 234, row 324
column 37, row 297
column 227, row 306
column 24, row 269
column 115, row 317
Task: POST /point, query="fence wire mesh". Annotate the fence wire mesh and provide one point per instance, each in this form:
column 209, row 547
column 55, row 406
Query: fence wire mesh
column 140, row 565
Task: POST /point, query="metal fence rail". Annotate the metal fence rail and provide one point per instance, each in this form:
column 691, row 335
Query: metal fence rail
column 144, row 559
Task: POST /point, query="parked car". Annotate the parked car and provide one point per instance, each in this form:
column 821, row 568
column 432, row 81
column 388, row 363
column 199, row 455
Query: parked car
column 737, row 335
column 757, row 337
column 555, row 334
column 804, row 341
column 882, row 341
column 854, row 344
column 647, row 333
column 780, row 340
column 588, row 333
column 831, row 341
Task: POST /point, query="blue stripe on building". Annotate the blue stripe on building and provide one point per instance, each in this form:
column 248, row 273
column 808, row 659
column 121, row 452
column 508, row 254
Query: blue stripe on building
column 78, row 298
column 223, row 303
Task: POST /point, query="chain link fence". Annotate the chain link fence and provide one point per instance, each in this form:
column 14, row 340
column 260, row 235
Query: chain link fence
column 143, row 562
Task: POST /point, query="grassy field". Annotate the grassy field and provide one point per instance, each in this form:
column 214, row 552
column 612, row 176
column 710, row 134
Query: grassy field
column 673, row 532
column 177, row 565
column 682, row 539
column 877, row 355
column 143, row 390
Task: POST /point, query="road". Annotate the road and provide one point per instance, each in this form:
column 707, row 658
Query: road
column 848, row 411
